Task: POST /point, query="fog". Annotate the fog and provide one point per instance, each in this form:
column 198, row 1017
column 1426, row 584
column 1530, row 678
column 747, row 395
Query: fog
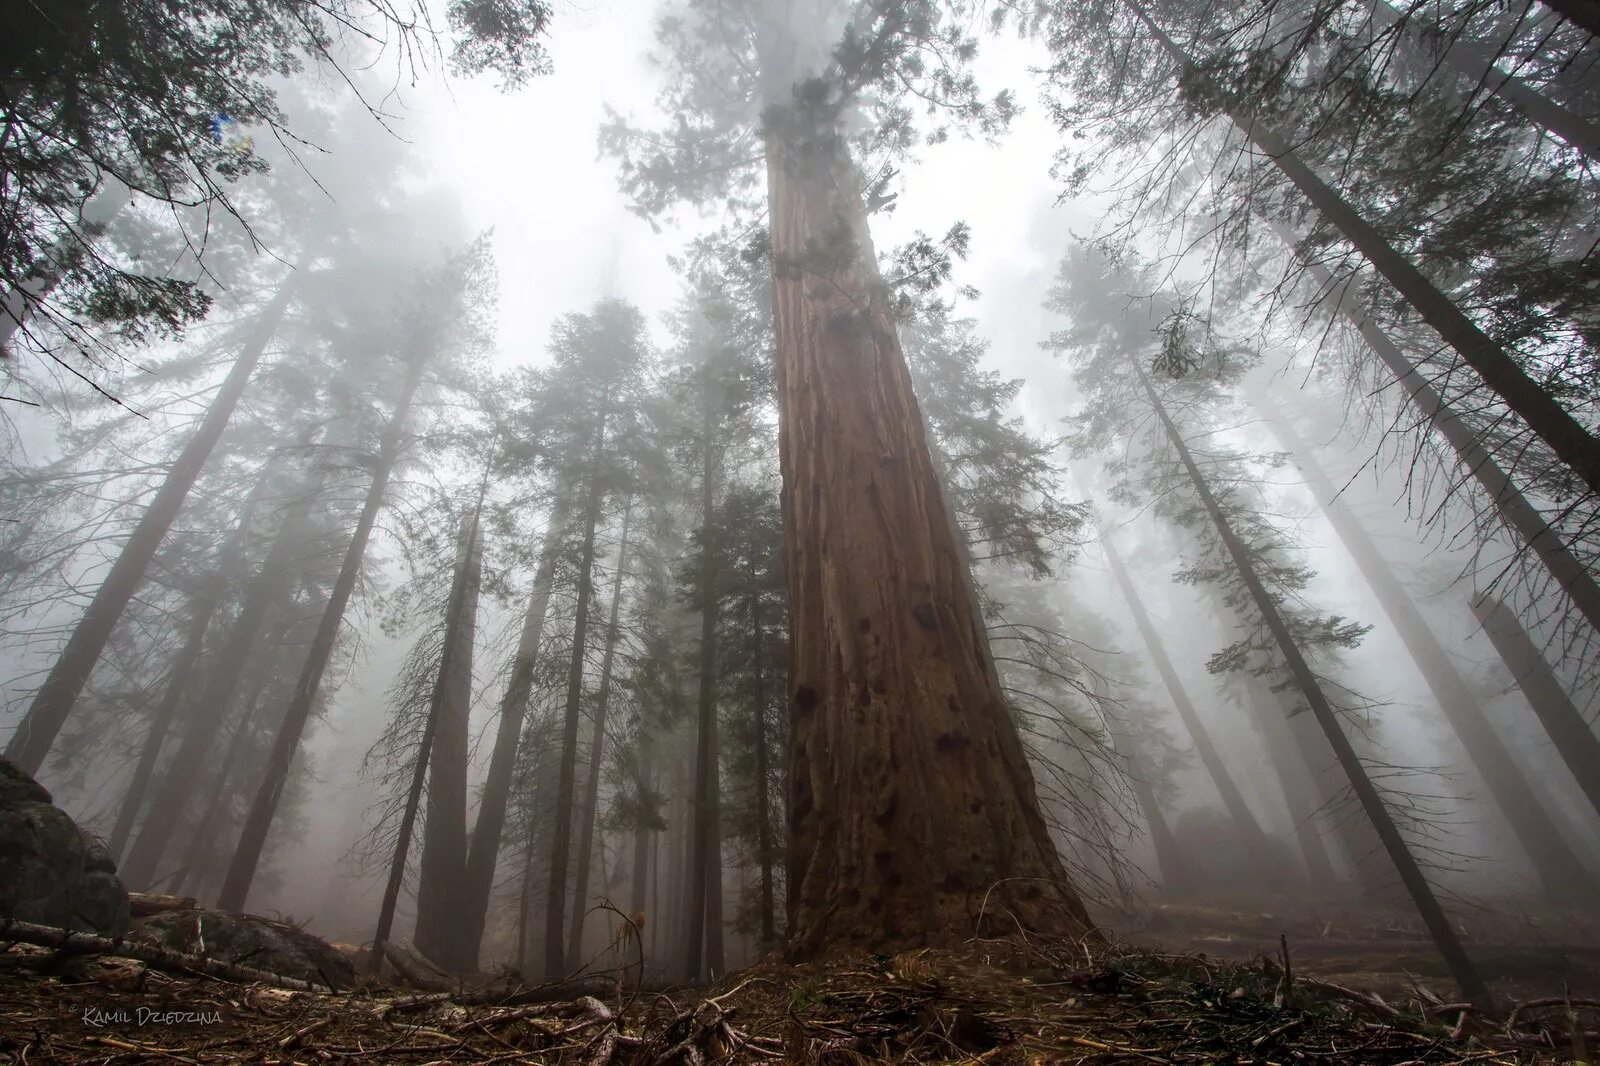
column 524, row 336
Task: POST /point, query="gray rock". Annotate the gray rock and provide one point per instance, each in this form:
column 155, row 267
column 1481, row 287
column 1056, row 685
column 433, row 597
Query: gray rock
column 52, row 872
column 250, row 940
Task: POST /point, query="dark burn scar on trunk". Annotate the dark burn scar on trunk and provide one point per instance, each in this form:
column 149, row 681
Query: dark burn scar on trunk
column 805, row 699
column 925, row 616
column 950, row 742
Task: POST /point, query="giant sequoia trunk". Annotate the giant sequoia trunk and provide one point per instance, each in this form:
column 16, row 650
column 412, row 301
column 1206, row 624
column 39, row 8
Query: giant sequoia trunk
column 440, row 933
column 1558, row 867
column 1433, row 916
column 1572, row 737
column 911, row 797
column 1210, row 758
column 1475, row 63
column 597, row 750
column 56, row 697
column 264, row 805
column 1520, row 515
column 208, row 709
column 483, row 852
column 1572, row 443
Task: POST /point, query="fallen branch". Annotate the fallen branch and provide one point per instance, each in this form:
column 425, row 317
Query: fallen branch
column 159, row 958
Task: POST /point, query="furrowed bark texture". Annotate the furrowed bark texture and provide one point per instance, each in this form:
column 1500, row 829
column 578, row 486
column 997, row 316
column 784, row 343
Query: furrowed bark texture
column 911, row 798
column 56, row 697
column 440, row 933
column 1557, row 865
column 1377, row 812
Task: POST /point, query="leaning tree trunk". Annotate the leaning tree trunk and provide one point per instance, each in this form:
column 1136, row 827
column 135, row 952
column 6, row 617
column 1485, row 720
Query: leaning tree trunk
column 179, row 674
column 1572, row 737
column 209, row 708
column 1582, row 13
column 483, row 851
column 566, row 781
column 253, row 835
column 1514, row 508
column 1558, row 867
column 1475, row 63
column 440, row 934
column 911, row 796
column 597, row 746
column 1210, row 758
column 1295, row 780
column 1572, row 443
column 56, row 697
column 1433, row 916
column 190, row 873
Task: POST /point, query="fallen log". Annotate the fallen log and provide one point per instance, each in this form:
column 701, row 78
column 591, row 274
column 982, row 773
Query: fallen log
column 144, row 904
column 72, row 942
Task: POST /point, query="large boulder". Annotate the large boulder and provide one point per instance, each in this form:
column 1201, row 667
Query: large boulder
column 52, row 872
column 250, row 940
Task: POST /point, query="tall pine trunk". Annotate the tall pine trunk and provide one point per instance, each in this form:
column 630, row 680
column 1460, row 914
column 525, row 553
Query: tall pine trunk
column 264, row 805
column 566, row 782
column 191, row 872
column 1295, row 781
column 597, row 746
column 440, row 933
column 1433, row 916
column 1514, row 508
column 1210, row 758
column 203, row 607
column 208, row 709
column 638, row 891
column 56, row 697
column 911, row 796
column 706, row 814
column 1558, row 867
column 1475, row 63
column 483, row 852
column 1573, row 444
column 1573, row 738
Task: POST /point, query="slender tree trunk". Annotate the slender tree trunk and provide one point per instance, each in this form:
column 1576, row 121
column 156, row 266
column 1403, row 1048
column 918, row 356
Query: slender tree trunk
column 716, row 966
column 253, row 836
column 56, row 697
column 911, row 796
column 402, row 848
column 566, row 784
column 209, row 708
column 1170, row 865
column 1558, row 867
column 1514, row 508
column 1433, row 916
column 1210, row 758
column 1295, row 780
column 1566, row 436
column 191, row 872
column 597, row 745
column 764, row 844
column 1475, row 64
column 1572, row 737
column 204, row 606
column 484, row 850
column 705, row 765
column 638, row 890
column 440, row 934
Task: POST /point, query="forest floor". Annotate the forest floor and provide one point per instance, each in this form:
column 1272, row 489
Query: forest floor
column 1003, row 1002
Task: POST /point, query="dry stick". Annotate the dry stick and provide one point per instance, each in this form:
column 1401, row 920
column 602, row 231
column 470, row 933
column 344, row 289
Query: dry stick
column 1573, row 444
column 160, row 958
column 1433, row 916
